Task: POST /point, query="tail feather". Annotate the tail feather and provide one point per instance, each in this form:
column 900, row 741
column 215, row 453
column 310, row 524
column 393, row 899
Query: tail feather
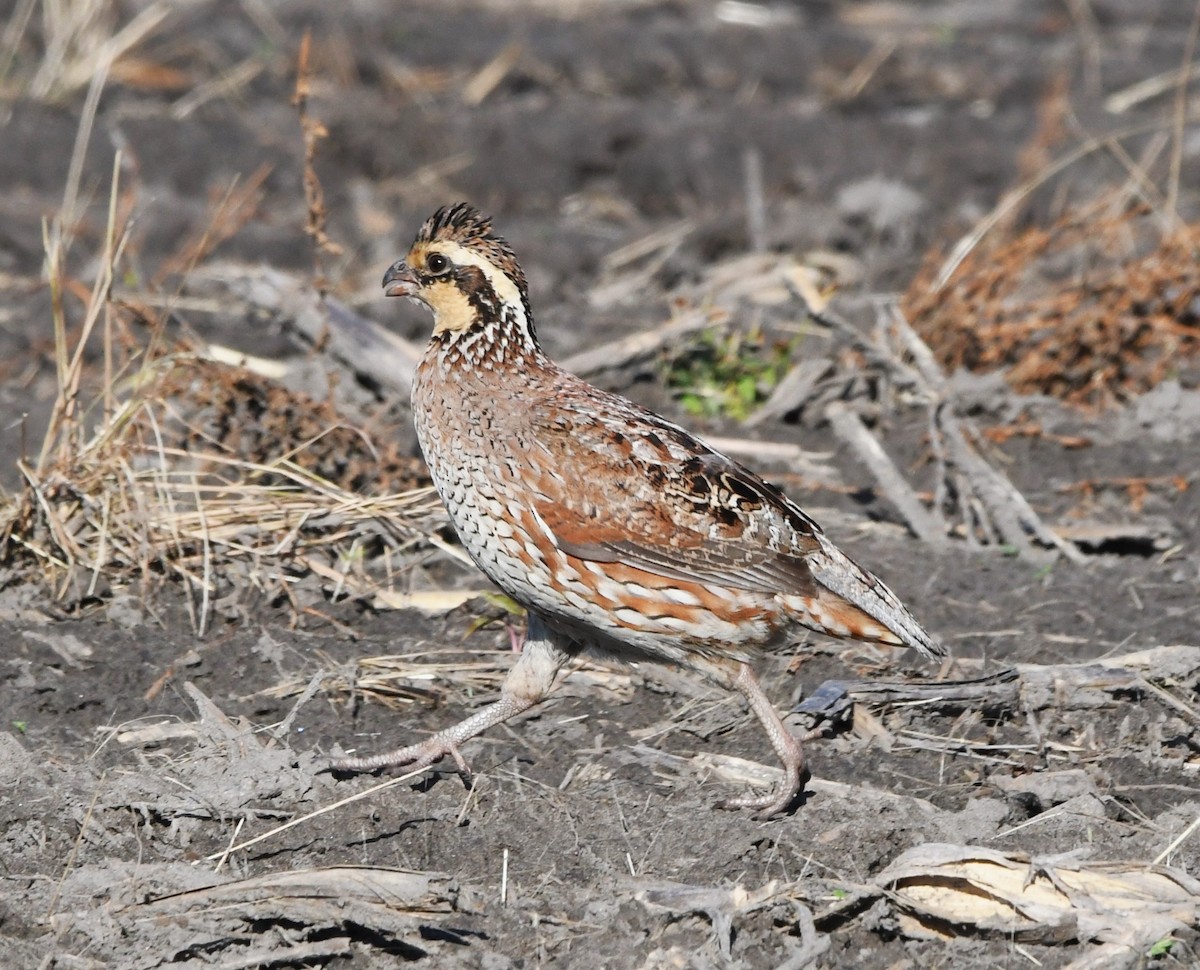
column 865, row 593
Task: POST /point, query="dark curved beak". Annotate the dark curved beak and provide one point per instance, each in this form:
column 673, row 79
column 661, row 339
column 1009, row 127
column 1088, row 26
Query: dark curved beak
column 399, row 280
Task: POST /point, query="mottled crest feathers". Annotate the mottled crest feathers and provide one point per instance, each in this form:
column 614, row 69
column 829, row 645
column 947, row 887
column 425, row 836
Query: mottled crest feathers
column 460, row 222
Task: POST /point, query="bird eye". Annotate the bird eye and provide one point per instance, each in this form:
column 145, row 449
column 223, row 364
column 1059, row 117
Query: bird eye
column 437, row 263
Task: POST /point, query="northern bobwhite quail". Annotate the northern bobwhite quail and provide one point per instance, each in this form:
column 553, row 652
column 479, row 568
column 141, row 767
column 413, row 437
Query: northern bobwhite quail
column 621, row 533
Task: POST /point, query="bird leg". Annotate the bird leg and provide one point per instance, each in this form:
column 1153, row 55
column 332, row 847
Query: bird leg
column 530, row 680
column 786, row 745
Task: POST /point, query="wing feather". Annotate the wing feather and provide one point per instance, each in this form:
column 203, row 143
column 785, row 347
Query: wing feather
column 635, row 489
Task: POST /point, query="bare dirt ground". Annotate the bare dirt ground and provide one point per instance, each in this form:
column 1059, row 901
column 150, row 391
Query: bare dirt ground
column 1032, row 803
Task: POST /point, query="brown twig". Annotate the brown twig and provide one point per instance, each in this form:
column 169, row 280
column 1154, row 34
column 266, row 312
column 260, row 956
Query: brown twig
column 313, row 131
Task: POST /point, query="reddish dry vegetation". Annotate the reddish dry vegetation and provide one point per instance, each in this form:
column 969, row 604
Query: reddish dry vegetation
column 1095, row 310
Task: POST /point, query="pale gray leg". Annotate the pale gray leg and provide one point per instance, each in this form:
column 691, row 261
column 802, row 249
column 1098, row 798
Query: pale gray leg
column 787, row 747
column 531, row 679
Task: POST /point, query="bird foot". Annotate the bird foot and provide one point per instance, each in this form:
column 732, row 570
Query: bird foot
column 413, row 757
column 784, row 797
column 766, row 806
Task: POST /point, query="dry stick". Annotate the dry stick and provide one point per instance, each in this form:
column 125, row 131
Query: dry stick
column 926, row 524
column 369, row 350
column 1171, row 700
column 102, row 538
column 1180, row 114
column 112, row 50
column 237, row 830
column 1178, row 841
column 1005, row 509
column 854, row 83
column 174, row 541
column 102, row 287
column 647, row 245
column 62, row 538
column 472, row 795
column 83, row 135
column 222, row 86
column 793, row 391
column 69, row 371
column 927, row 379
column 312, row 132
column 1008, row 509
column 206, row 547
column 875, row 355
column 230, row 214
column 1121, row 101
column 756, row 204
column 850, row 429
column 833, row 697
column 1140, row 184
column 11, row 40
column 633, row 284
column 1000, row 500
column 1154, row 535
column 640, row 346
column 311, row 953
column 940, row 487
column 489, row 77
column 1089, row 42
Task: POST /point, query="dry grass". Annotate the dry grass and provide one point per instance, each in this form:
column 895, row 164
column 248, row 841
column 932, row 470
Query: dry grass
column 71, row 44
column 136, row 499
column 159, row 466
column 399, row 680
column 1096, row 308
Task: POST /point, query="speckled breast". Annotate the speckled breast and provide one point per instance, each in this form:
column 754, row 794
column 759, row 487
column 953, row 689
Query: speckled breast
column 477, row 475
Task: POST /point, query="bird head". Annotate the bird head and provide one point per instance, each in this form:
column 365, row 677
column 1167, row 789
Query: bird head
column 466, row 275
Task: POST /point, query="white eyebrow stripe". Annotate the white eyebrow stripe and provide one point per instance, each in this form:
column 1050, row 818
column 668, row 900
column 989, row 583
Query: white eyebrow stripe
column 501, row 282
